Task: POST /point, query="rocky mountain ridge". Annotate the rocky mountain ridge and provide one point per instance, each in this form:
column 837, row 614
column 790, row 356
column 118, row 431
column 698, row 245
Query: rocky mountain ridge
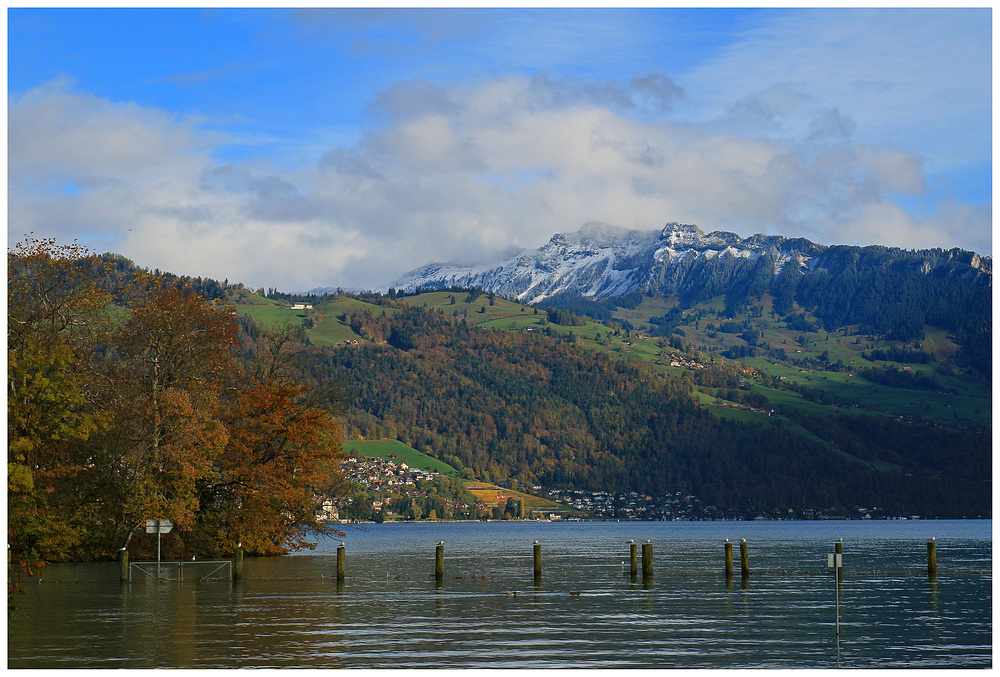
column 602, row 261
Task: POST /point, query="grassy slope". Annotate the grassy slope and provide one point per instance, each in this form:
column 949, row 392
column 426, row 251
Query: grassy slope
column 405, row 454
column 972, row 403
column 492, row 495
column 329, row 330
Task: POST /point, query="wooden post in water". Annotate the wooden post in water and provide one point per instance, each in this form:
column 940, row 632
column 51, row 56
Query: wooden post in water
column 439, row 561
column 647, row 560
column 931, row 558
column 744, row 559
column 123, row 565
column 632, row 560
column 729, row 559
column 238, row 563
column 538, row 560
column 340, row 562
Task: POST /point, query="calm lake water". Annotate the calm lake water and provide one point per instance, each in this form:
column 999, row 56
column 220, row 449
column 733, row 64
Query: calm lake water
column 585, row 612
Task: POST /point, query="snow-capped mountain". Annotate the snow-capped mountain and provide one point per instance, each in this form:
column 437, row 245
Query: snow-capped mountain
column 602, row 261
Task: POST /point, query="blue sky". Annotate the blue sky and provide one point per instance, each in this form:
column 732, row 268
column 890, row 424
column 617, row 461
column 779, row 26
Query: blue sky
column 304, row 148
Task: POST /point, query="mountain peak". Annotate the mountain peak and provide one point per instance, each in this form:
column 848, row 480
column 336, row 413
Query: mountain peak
column 605, row 261
column 677, row 234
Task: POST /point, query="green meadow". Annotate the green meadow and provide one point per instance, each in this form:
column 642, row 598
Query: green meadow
column 960, row 398
column 396, row 451
column 322, row 323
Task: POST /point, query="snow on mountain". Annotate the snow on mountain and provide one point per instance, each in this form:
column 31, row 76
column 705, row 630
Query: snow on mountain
column 603, row 261
column 599, row 260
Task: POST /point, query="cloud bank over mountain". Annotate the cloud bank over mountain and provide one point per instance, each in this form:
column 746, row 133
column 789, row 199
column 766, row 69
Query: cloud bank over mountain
column 811, row 124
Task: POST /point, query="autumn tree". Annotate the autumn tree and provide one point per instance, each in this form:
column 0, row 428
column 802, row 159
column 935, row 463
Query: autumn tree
column 131, row 399
column 52, row 305
column 162, row 372
column 281, row 457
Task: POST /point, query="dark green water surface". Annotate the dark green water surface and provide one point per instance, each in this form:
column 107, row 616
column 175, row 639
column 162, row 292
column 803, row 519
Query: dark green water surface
column 488, row 611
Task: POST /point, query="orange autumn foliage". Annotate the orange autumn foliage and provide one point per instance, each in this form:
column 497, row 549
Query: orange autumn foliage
column 139, row 404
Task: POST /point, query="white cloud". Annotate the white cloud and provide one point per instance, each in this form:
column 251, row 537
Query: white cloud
column 454, row 173
column 63, row 133
column 882, row 222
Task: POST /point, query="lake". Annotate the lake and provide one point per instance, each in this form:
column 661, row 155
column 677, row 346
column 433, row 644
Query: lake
column 586, row 611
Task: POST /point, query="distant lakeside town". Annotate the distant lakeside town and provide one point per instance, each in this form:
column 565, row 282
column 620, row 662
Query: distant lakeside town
column 386, row 490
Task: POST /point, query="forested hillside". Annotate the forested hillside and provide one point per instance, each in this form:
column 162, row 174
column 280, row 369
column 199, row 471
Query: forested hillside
column 547, row 411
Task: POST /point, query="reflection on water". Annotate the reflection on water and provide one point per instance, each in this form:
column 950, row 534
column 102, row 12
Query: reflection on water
column 585, row 611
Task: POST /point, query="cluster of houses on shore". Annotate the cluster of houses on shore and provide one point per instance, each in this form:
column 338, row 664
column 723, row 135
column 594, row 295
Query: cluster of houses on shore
column 631, row 505
column 387, row 480
column 374, row 473
column 391, row 486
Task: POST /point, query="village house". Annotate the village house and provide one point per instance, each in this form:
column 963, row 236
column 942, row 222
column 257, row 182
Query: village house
column 328, row 511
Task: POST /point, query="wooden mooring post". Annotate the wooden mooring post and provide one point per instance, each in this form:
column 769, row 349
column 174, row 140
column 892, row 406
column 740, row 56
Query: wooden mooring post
column 538, row 560
column 744, row 559
column 123, row 565
column 340, row 562
column 931, row 558
column 632, row 559
column 439, row 561
column 238, row 563
column 728, row 547
column 647, row 560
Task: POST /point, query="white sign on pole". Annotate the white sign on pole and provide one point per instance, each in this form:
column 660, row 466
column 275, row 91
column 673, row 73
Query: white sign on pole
column 159, row 526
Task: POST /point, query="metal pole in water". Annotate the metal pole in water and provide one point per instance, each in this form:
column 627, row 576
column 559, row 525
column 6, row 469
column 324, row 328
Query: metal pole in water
column 340, row 562
column 836, row 562
column 838, row 548
column 538, row 560
column 439, row 561
column 729, row 558
column 931, row 558
column 838, row 601
column 647, row 560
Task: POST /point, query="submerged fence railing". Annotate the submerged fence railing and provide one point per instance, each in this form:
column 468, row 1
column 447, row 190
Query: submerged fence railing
column 174, row 570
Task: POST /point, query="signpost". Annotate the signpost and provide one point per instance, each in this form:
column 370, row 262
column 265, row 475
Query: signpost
column 158, row 527
column 836, row 562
